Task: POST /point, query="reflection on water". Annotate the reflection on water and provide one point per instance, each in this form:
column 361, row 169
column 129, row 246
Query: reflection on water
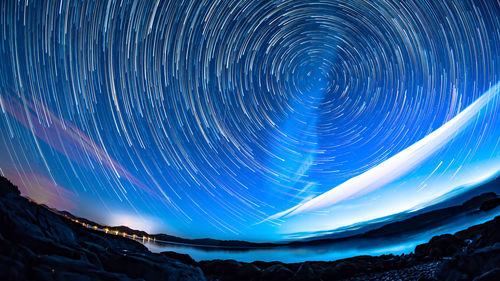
column 332, row 251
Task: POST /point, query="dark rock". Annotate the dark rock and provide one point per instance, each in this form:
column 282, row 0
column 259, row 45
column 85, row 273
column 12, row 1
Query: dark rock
column 470, row 264
column 482, row 235
column 180, row 257
column 492, row 275
column 346, row 269
column 440, row 246
column 248, row 272
column 305, row 272
column 330, row 273
column 277, row 272
column 451, row 273
column 426, row 278
column 11, row 269
column 480, row 260
column 147, row 268
column 220, row 267
column 264, row 265
column 39, row 244
column 228, row 270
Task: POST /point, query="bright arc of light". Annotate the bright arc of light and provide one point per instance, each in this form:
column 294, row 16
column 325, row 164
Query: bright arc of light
column 398, row 165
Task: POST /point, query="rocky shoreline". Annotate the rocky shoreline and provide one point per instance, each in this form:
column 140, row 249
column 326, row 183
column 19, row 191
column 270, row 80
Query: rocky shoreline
column 37, row 244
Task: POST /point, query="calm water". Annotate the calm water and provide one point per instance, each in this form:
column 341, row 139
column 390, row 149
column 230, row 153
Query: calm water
column 332, row 251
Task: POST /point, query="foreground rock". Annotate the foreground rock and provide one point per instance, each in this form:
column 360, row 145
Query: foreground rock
column 471, row 254
column 38, row 244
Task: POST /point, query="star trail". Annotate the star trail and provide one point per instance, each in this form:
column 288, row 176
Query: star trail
column 240, row 119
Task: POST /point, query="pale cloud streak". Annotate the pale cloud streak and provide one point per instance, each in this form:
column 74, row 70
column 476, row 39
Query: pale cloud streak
column 398, row 165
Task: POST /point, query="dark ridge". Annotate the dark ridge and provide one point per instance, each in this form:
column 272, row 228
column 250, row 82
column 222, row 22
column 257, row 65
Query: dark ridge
column 433, row 218
column 455, row 198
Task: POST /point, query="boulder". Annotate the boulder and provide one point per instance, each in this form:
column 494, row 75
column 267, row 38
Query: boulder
column 492, row 275
column 277, row 272
column 440, row 246
column 305, row 272
column 468, row 265
column 180, row 257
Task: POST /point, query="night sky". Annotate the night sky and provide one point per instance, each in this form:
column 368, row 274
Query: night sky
column 253, row 120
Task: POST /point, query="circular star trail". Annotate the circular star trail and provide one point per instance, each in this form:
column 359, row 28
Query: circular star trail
column 208, row 117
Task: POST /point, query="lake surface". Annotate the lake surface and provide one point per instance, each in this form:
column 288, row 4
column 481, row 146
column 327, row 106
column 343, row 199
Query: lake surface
column 332, row 251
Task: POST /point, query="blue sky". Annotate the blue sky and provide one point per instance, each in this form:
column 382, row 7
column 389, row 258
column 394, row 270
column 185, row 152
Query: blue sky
column 173, row 118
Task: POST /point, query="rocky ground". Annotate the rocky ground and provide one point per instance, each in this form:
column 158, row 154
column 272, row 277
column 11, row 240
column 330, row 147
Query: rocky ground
column 38, row 244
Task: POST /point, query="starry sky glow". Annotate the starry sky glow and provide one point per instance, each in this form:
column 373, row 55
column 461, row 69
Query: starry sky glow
column 226, row 119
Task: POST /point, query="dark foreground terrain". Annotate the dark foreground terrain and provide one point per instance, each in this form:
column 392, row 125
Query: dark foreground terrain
column 38, row 244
